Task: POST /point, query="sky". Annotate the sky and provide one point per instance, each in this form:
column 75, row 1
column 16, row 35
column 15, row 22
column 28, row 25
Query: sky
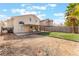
column 53, row 11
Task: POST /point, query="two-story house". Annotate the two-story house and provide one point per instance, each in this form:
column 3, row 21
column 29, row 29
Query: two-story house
column 24, row 23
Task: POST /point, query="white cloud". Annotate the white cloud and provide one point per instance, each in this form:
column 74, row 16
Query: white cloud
column 23, row 5
column 59, row 18
column 58, row 21
column 4, row 10
column 4, row 17
column 41, row 16
column 29, row 8
column 22, row 11
column 28, row 12
column 59, row 14
column 39, row 7
column 18, row 10
column 52, row 5
column 25, row 12
column 39, row 12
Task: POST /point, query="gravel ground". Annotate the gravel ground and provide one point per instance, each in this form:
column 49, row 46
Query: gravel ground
column 36, row 45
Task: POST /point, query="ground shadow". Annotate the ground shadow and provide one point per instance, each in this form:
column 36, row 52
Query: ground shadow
column 17, row 37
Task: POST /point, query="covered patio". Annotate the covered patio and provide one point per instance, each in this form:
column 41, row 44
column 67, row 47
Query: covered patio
column 32, row 28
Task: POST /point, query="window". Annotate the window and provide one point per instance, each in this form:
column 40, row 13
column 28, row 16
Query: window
column 30, row 19
column 36, row 20
column 21, row 22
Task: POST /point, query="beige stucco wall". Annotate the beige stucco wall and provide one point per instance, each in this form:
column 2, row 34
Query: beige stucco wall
column 26, row 19
column 27, row 29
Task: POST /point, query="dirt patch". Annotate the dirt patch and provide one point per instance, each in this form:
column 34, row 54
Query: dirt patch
column 36, row 45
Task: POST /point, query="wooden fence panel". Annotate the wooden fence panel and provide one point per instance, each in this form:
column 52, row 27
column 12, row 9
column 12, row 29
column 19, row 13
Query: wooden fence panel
column 67, row 29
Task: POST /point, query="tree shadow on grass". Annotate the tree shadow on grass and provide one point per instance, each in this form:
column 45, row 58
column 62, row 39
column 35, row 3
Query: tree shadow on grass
column 44, row 33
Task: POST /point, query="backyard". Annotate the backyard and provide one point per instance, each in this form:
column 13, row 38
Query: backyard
column 55, row 35
column 36, row 45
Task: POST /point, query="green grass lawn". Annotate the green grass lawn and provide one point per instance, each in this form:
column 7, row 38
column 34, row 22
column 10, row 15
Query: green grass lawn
column 67, row 36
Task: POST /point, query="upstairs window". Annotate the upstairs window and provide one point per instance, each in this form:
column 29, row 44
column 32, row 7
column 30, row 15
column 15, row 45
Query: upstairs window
column 21, row 22
column 30, row 19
